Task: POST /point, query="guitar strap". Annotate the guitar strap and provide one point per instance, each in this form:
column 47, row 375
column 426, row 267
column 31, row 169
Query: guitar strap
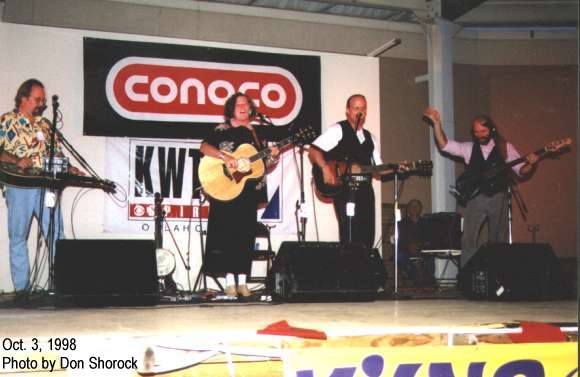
column 256, row 139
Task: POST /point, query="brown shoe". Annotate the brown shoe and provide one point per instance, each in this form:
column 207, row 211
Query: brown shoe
column 244, row 291
column 231, row 291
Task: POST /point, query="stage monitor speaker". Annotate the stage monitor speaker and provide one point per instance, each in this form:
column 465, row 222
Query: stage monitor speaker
column 106, row 272
column 325, row 271
column 519, row 271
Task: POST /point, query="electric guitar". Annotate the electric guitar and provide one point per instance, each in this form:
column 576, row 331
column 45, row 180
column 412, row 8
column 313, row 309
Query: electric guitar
column 225, row 184
column 469, row 184
column 13, row 175
column 340, row 169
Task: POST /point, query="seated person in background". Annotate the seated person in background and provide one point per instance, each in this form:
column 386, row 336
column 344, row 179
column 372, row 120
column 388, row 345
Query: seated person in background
column 410, row 245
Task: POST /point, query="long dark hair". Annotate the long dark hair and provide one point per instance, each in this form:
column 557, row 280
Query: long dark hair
column 24, row 91
column 499, row 140
column 230, row 105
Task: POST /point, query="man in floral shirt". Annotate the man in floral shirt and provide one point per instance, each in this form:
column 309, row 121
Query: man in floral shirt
column 24, row 141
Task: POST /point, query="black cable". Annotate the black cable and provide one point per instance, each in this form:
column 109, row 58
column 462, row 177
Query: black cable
column 33, row 274
column 77, row 198
column 119, row 200
column 312, row 189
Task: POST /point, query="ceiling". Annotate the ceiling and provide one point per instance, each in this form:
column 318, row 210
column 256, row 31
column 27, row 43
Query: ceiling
column 467, row 13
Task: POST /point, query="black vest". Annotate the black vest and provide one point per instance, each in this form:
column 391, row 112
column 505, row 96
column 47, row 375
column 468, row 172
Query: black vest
column 349, row 147
column 478, row 165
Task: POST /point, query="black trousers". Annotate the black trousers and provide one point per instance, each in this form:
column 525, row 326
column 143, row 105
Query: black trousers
column 362, row 225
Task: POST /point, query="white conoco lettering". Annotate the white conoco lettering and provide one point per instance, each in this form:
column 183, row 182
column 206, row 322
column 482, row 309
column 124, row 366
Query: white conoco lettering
column 212, row 91
column 163, row 81
column 129, row 88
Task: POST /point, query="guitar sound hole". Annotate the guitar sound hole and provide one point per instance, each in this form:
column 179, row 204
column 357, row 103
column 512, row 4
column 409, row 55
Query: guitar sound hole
column 227, row 172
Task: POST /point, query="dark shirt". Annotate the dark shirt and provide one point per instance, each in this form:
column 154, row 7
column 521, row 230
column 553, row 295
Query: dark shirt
column 409, row 236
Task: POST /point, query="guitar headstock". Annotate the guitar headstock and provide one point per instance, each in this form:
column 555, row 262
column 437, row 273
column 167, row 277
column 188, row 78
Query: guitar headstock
column 421, row 167
column 556, row 145
column 107, row 186
column 304, row 135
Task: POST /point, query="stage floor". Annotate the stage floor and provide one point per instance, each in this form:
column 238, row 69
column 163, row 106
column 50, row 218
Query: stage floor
column 231, row 320
column 223, row 336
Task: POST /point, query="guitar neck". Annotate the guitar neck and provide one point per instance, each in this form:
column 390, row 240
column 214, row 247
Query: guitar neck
column 539, row 152
column 370, row 169
column 266, row 151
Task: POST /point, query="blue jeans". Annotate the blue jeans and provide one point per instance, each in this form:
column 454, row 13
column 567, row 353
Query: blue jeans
column 24, row 204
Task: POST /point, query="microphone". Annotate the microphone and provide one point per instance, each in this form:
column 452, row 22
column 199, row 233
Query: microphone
column 357, row 120
column 254, row 113
column 55, row 101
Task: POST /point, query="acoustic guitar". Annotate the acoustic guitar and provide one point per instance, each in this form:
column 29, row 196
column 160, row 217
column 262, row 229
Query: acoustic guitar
column 341, row 171
column 469, row 184
column 225, row 184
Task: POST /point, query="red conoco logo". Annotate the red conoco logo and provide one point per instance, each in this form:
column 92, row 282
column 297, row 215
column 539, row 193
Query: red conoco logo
column 194, row 91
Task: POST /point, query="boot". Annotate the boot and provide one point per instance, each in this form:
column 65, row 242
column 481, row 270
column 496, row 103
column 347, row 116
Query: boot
column 244, row 291
column 231, row 291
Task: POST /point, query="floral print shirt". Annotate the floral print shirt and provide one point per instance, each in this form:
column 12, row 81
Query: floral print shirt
column 22, row 139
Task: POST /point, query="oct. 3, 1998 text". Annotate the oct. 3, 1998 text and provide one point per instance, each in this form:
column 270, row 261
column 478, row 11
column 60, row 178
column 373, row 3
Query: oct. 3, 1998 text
column 53, row 344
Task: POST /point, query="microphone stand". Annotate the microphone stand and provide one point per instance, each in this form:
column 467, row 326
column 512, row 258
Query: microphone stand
column 52, row 197
column 350, row 209
column 397, row 219
column 301, row 217
column 169, row 286
column 201, row 275
column 82, row 162
column 513, row 191
column 200, row 285
column 397, row 213
column 351, row 201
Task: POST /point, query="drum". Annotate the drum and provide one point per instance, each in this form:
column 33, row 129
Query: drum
column 165, row 262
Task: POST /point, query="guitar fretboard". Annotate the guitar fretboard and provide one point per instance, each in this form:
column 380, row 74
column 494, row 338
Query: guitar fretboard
column 266, row 152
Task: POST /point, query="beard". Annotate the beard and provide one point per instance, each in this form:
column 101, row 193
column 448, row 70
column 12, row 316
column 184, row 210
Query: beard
column 484, row 140
column 38, row 110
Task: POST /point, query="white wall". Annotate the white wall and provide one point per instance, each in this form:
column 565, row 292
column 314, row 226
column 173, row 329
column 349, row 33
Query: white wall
column 55, row 56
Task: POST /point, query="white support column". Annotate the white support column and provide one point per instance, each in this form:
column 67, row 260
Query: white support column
column 440, row 54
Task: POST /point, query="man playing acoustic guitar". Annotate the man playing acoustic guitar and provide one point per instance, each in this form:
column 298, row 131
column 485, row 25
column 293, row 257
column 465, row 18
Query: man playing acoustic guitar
column 488, row 149
column 349, row 140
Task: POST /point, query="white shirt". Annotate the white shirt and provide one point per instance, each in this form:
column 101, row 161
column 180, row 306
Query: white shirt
column 331, row 137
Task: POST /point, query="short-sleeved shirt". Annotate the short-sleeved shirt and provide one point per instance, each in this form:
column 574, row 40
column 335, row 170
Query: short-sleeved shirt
column 331, row 137
column 22, row 139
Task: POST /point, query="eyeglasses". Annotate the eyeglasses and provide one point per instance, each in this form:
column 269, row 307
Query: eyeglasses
column 39, row 100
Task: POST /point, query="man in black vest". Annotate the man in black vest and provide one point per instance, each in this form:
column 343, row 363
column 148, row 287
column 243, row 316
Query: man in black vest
column 487, row 149
column 348, row 141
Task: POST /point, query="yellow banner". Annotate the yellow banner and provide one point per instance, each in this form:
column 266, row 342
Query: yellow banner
column 486, row 360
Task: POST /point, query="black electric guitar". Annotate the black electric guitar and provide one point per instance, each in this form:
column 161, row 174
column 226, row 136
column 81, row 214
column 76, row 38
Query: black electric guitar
column 469, row 184
column 341, row 171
